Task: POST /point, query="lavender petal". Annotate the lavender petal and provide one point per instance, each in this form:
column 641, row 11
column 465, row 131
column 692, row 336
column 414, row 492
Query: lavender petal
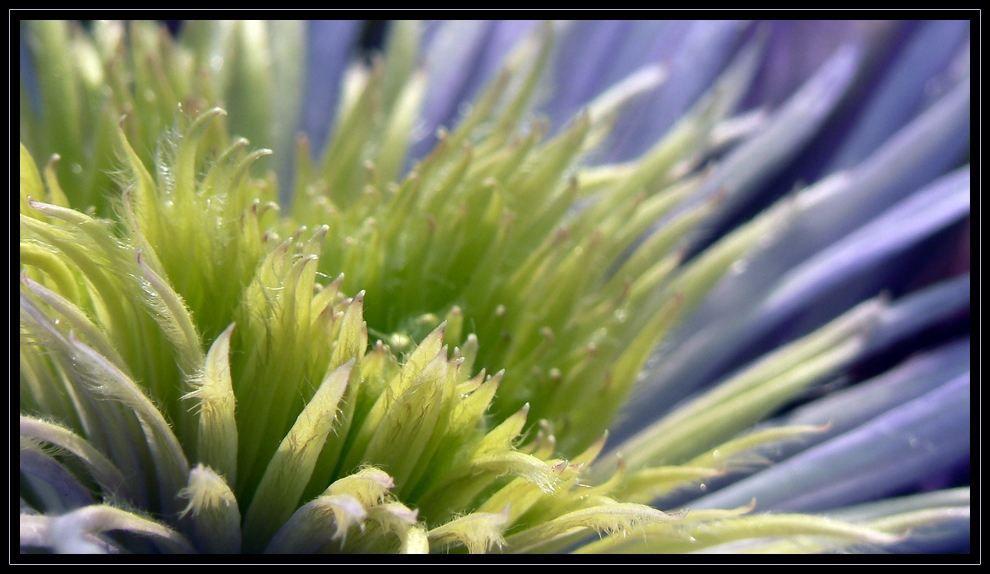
column 329, row 52
column 891, row 452
column 903, row 89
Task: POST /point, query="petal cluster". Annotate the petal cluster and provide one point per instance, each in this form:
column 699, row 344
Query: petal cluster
column 416, row 339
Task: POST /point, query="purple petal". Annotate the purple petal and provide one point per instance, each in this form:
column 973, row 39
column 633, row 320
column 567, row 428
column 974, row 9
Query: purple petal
column 838, row 205
column 757, row 161
column 583, row 53
column 28, row 76
column 428, row 29
column 902, row 91
column 889, row 453
column 921, row 310
column 504, row 37
column 796, row 48
column 36, row 531
column 453, row 52
column 851, row 407
column 461, row 56
column 910, row 159
column 949, row 535
column 855, row 259
column 704, row 51
column 330, row 46
column 644, row 44
column 930, row 145
column 913, row 314
column 745, row 169
column 52, row 482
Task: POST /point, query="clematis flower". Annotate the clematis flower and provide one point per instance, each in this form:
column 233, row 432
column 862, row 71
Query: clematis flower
column 631, row 287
